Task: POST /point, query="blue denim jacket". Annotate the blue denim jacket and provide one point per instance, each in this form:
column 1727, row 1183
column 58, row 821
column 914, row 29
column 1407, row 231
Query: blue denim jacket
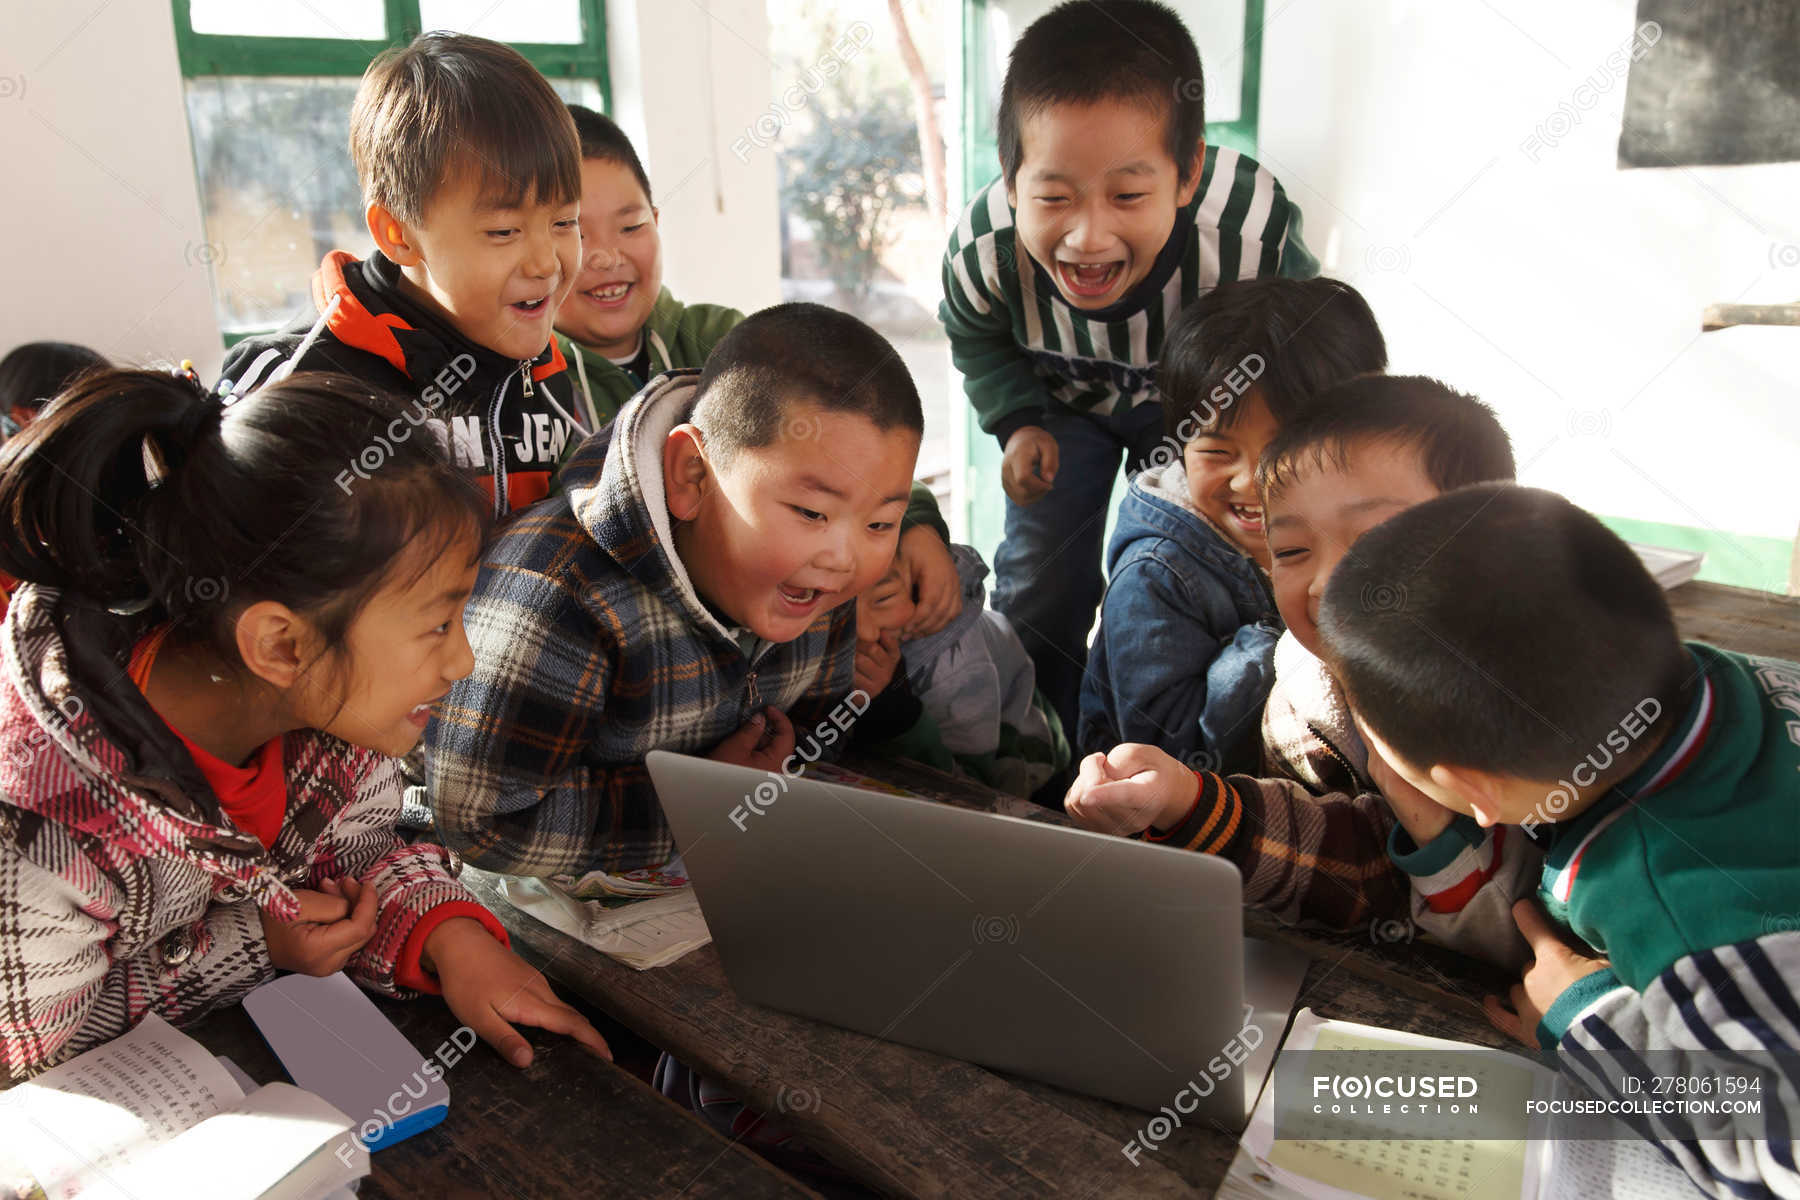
column 1185, row 653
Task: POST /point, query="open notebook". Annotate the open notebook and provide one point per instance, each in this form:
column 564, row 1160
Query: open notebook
column 153, row 1113
column 1420, row 1169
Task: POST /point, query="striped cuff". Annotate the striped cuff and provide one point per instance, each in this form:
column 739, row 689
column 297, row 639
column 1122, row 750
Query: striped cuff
column 1451, row 869
column 1575, row 998
column 1462, row 833
column 1213, row 826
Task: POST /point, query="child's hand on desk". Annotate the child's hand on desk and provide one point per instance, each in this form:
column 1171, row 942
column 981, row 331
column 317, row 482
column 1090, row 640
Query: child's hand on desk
column 1420, row 815
column 764, row 742
column 332, row 926
column 490, row 989
column 1555, row 967
column 1132, row 788
column 936, row 591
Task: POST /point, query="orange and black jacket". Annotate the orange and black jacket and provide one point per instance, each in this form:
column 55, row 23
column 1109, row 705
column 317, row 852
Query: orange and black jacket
column 504, row 419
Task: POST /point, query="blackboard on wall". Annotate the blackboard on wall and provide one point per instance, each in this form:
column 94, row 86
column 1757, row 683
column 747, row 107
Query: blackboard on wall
column 1720, row 86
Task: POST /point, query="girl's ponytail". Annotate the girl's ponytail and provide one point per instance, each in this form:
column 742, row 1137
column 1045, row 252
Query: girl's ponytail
column 74, row 482
column 139, row 491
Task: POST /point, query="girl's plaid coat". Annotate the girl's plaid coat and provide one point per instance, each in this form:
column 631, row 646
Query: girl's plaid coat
column 123, row 888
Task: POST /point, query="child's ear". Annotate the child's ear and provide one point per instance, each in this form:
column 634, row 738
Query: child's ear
column 1185, row 192
column 392, row 237
column 271, row 642
column 686, row 473
column 1480, row 791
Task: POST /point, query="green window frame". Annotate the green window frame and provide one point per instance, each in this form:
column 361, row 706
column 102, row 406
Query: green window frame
column 205, row 54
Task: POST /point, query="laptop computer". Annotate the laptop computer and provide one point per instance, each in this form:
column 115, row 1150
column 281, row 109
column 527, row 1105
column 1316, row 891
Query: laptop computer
column 1105, row 965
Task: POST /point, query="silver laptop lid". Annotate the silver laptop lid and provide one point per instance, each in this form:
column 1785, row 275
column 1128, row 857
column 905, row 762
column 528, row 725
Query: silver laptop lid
column 1105, row 965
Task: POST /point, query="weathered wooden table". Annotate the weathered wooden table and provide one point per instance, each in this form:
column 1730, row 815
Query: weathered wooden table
column 570, row 1124
column 909, row 1122
column 1749, row 622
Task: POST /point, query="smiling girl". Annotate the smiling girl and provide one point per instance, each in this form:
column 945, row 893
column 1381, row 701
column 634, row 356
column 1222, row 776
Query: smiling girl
column 222, row 640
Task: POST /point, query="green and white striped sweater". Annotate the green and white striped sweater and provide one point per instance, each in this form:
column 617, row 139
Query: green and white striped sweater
column 1021, row 347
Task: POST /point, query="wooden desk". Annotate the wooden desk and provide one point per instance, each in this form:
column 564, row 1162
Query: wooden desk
column 568, row 1125
column 1740, row 619
column 909, row 1122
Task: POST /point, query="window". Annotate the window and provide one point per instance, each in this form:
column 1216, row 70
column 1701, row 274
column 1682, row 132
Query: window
column 268, row 91
column 858, row 229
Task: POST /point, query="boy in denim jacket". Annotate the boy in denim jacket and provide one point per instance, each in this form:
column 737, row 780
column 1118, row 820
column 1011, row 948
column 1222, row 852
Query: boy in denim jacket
column 1188, row 624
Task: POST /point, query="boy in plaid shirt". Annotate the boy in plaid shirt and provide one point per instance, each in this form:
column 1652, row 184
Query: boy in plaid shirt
column 687, row 592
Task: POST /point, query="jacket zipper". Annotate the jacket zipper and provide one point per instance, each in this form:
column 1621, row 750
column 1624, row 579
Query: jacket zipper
column 753, row 701
column 497, row 443
column 1342, row 759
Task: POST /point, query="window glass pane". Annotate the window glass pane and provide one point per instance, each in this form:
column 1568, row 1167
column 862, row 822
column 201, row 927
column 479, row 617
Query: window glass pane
column 584, row 92
column 278, row 189
column 359, row 19
column 1218, row 29
column 513, row 21
column 857, row 227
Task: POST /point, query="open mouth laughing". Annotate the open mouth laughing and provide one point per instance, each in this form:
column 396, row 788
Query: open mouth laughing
column 1090, row 280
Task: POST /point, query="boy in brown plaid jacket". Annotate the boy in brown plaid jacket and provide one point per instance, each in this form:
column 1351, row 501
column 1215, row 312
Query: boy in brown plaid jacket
column 1328, row 833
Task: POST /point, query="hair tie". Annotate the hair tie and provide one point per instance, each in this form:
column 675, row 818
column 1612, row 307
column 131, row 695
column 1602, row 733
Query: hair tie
column 205, row 407
column 164, row 450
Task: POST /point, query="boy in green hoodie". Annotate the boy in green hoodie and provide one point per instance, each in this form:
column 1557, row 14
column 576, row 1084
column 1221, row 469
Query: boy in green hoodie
column 620, row 326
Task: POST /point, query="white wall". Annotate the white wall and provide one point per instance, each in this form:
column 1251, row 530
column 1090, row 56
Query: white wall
column 687, row 79
column 1562, row 290
column 105, row 244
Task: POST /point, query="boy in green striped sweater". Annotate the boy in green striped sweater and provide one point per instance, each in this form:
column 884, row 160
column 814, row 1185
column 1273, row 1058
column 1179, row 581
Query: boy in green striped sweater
column 1110, row 213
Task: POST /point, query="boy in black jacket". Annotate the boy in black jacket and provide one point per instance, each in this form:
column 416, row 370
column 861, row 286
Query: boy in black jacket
column 471, row 174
